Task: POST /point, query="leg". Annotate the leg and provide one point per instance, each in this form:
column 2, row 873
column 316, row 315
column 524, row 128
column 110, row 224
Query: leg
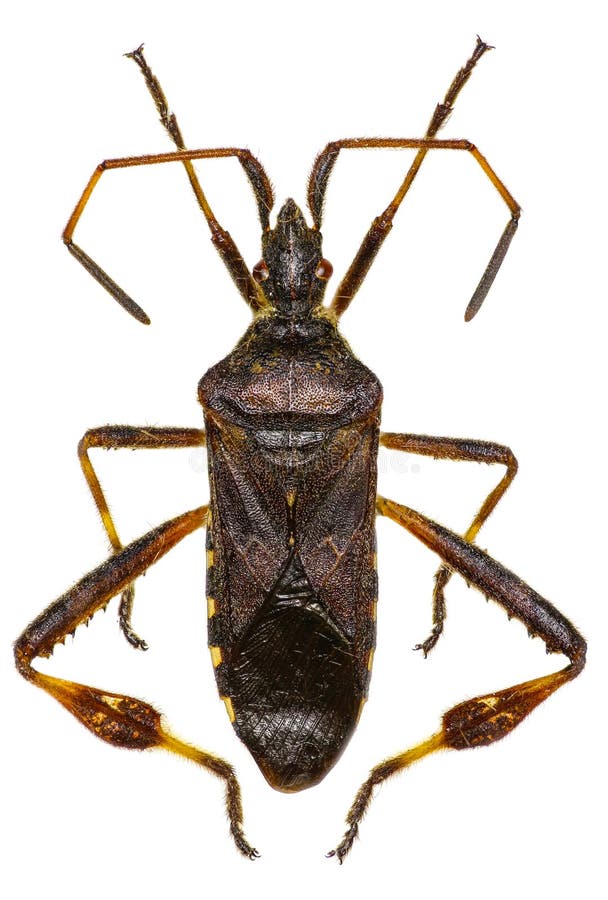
column 220, row 238
column 383, row 223
column 381, row 226
column 456, row 449
column 325, row 161
column 132, row 438
column 253, row 168
column 485, row 719
column 116, row 718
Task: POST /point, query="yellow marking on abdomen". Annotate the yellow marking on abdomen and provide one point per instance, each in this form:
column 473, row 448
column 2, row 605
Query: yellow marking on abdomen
column 216, row 655
column 370, row 659
column 361, row 705
column 229, row 708
column 209, row 558
column 211, row 607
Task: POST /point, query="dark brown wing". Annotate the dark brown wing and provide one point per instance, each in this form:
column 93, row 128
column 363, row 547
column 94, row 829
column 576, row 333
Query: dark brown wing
column 331, row 475
column 292, row 435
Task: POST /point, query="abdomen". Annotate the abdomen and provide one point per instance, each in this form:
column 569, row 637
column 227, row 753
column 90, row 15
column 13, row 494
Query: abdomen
column 291, row 552
column 294, row 687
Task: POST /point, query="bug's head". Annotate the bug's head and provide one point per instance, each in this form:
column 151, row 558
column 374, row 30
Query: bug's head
column 292, row 271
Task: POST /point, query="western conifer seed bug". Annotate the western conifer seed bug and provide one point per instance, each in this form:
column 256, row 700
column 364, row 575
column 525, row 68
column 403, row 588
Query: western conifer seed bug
column 292, row 431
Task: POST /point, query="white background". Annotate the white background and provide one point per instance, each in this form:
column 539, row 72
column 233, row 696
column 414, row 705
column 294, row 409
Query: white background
column 83, row 819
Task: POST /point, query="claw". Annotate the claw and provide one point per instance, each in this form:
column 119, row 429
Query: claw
column 345, row 844
column 124, row 618
column 133, row 638
column 243, row 845
column 427, row 646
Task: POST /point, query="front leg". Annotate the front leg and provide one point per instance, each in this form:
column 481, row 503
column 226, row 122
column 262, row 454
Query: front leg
column 460, row 450
column 488, row 718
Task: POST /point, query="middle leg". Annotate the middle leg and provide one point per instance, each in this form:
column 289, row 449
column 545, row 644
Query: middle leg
column 131, row 437
column 460, row 450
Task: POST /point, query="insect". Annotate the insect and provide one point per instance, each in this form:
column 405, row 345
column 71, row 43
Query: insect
column 292, row 431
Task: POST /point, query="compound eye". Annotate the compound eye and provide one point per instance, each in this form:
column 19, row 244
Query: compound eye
column 260, row 271
column 324, row 270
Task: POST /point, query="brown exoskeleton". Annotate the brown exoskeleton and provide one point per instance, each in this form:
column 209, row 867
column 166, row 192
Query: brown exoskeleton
column 292, row 429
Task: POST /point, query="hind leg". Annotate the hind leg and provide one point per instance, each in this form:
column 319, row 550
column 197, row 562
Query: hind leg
column 118, row 719
column 490, row 717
